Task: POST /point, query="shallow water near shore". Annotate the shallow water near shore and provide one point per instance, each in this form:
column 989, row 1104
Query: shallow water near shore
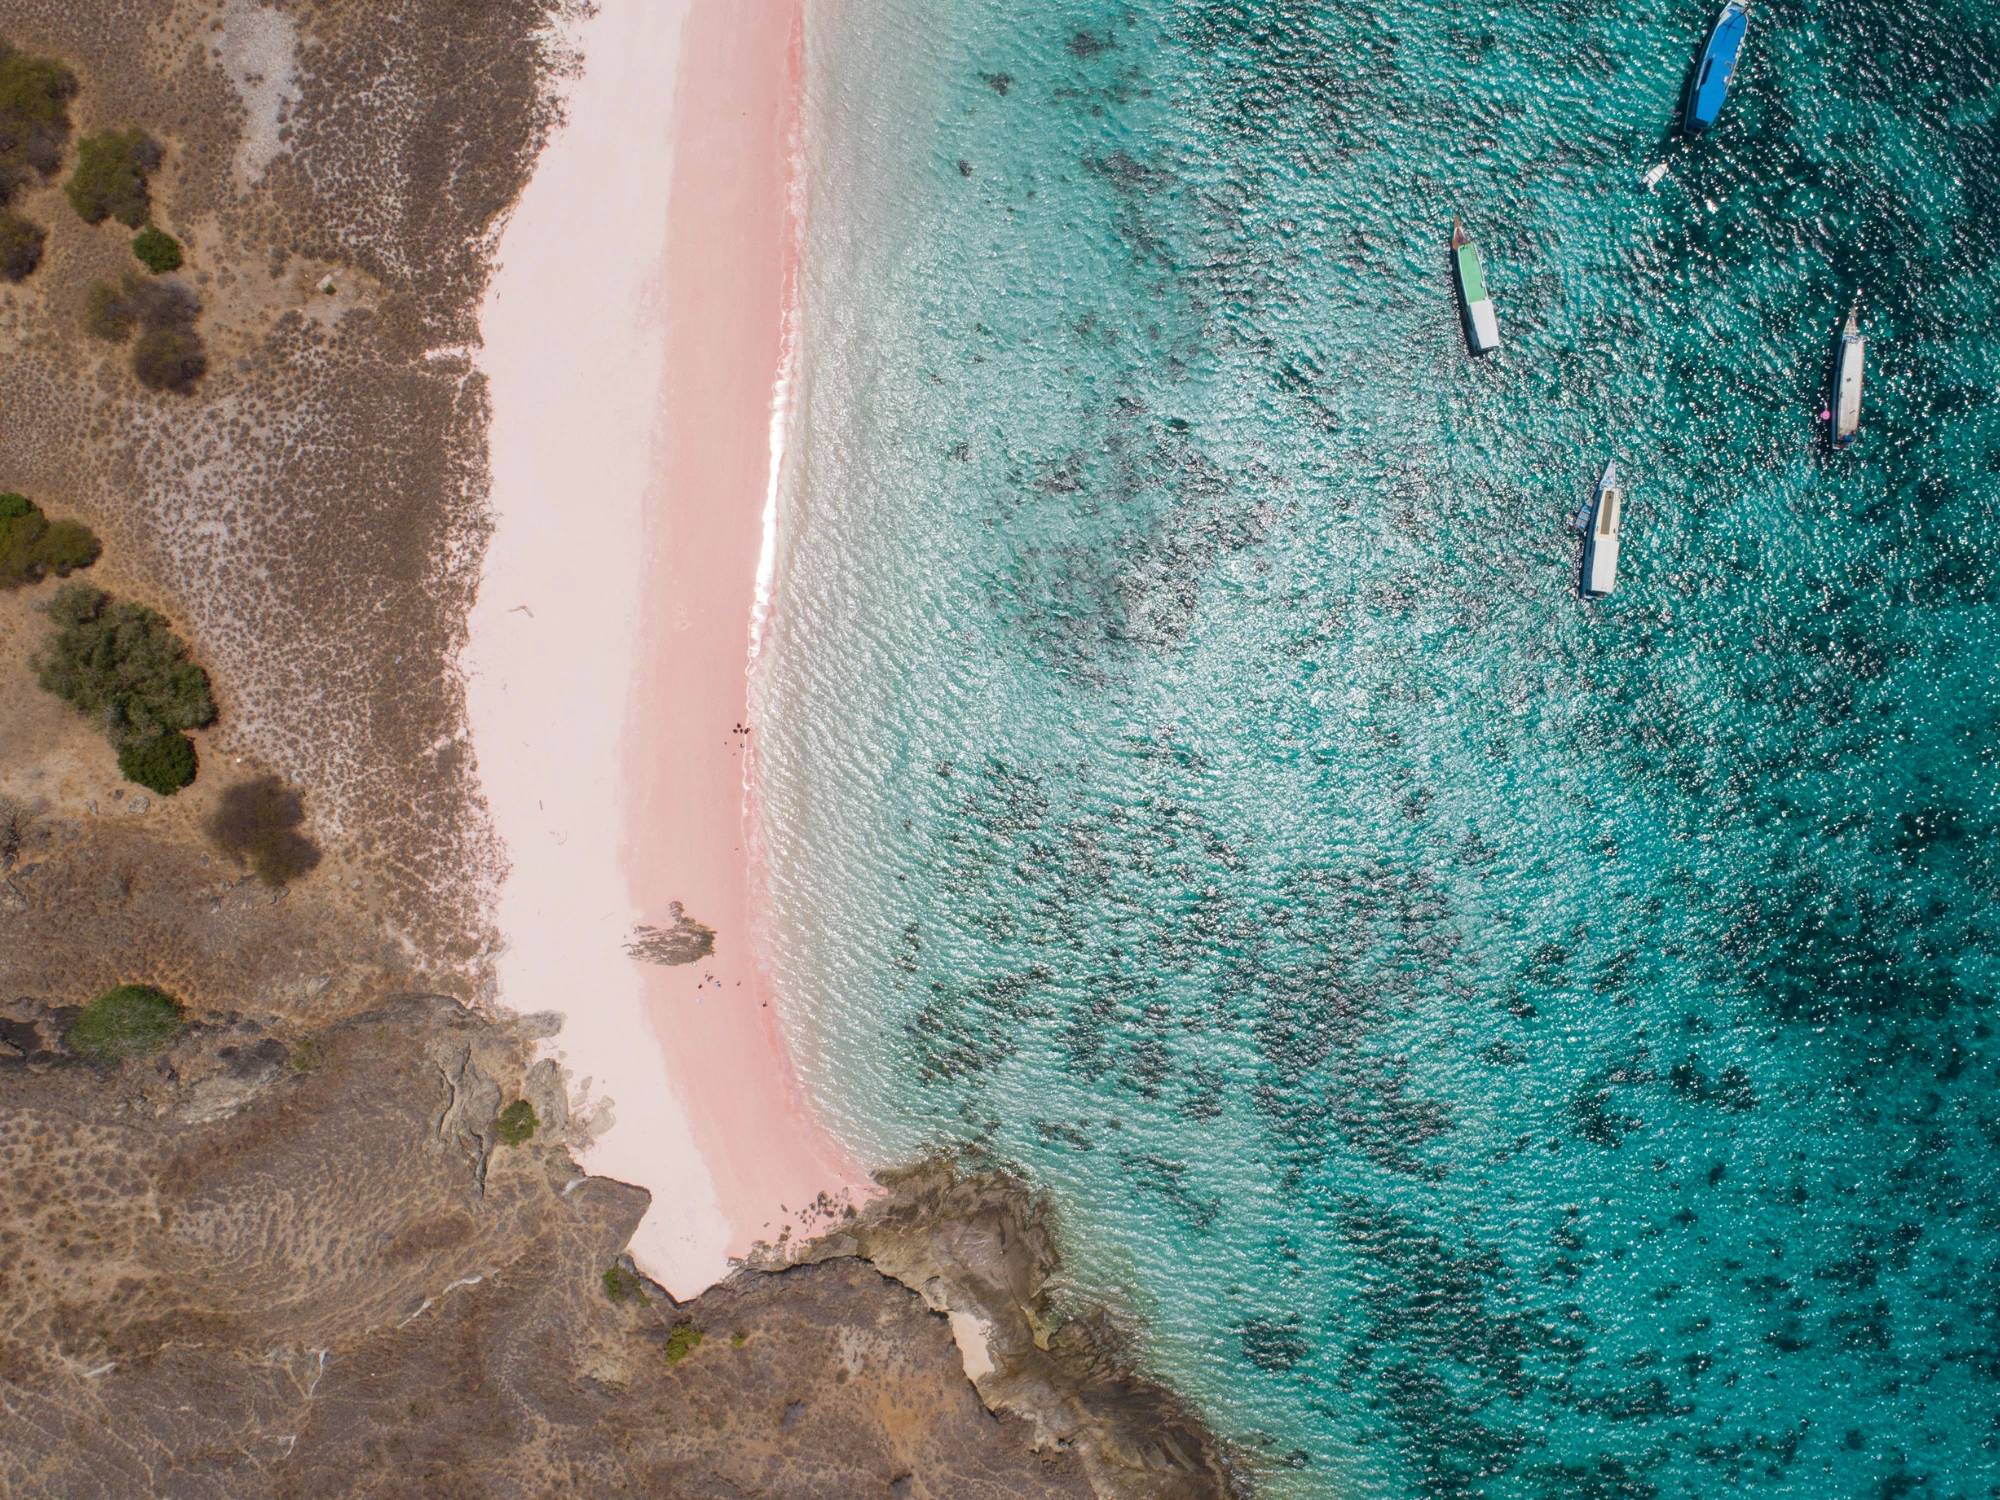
column 1492, row 1043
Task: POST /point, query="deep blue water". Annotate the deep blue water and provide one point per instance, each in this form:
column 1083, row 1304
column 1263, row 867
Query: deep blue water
column 1485, row 1043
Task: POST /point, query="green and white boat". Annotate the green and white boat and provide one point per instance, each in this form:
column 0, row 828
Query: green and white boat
column 1482, row 329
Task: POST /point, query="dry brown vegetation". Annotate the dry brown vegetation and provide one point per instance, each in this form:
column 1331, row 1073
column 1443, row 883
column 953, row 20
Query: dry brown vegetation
column 258, row 823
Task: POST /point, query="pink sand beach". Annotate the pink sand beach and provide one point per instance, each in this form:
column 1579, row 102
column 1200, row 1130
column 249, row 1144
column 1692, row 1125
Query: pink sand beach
column 635, row 347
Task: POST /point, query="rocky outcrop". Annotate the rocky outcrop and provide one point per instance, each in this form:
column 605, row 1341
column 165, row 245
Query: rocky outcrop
column 979, row 1248
column 274, row 1261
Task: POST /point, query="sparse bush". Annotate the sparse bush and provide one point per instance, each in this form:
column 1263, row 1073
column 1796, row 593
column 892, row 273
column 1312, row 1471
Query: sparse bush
column 123, row 665
column 113, row 310
column 21, row 243
column 517, row 1123
column 34, row 116
column 169, row 355
column 32, row 546
column 158, row 251
column 130, row 1021
column 682, row 1341
column 621, row 1285
column 258, row 823
column 108, row 313
column 110, row 177
column 163, row 764
column 16, row 823
column 169, row 359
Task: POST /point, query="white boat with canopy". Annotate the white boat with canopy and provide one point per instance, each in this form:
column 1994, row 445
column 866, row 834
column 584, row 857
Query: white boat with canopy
column 1600, row 546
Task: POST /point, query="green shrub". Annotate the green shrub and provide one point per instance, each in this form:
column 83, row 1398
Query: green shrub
column 129, row 1021
column 21, row 243
column 683, row 1341
column 164, row 764
column 32, row 546
column 123, row 665
column 621, row 1285
column 517, row 1123
column 34, row 116
column 158, row 251
column 169, row 359
column 110, row 177
column 258, row 823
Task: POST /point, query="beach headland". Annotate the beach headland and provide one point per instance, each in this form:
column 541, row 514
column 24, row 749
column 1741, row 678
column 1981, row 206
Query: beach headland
column 635, row 338
column 310, row 1246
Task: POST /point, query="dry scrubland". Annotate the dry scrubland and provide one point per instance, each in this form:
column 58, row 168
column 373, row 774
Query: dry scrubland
column 320, row 1232
column 309, row 517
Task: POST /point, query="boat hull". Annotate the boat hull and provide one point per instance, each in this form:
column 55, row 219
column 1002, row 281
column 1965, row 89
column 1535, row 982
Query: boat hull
column 1710, row 86
column 1847, row 394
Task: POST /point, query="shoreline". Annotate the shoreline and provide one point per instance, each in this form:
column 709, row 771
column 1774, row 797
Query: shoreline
column 690, row 764
column 631, row 430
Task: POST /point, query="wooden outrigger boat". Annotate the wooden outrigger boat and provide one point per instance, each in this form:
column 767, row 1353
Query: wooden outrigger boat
column 1482, row 329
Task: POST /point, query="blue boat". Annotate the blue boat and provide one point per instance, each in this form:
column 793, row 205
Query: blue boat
column 1718, row 64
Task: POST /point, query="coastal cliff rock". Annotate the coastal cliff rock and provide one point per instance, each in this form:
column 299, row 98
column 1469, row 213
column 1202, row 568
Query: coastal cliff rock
column 327, row 1278
column 292, row 1253
column 978, row 1248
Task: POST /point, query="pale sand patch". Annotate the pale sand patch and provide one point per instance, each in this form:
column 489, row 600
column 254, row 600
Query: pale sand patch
column 974, row 1338
column 633, row 334
column 258, row 49
column 573, row 357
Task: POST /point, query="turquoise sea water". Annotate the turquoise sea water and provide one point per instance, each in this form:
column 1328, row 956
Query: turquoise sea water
column 1487, row 1043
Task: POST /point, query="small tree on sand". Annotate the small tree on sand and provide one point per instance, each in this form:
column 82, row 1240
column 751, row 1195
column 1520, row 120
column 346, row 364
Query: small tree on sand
column 110, row 177
column 32, row 546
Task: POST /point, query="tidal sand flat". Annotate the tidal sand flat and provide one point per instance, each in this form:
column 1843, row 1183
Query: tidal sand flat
column 633, row 344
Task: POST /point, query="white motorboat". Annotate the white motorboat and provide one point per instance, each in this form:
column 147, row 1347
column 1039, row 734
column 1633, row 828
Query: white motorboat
column 1600, row 544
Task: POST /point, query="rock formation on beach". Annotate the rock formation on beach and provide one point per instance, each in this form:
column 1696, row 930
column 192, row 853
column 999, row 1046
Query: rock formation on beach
column 293, row 1250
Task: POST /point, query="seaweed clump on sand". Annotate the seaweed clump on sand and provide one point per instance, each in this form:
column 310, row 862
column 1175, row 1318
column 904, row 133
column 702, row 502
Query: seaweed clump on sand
column 168, row 354
column 32, row 547
column 123, row 665
column 34, row 127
